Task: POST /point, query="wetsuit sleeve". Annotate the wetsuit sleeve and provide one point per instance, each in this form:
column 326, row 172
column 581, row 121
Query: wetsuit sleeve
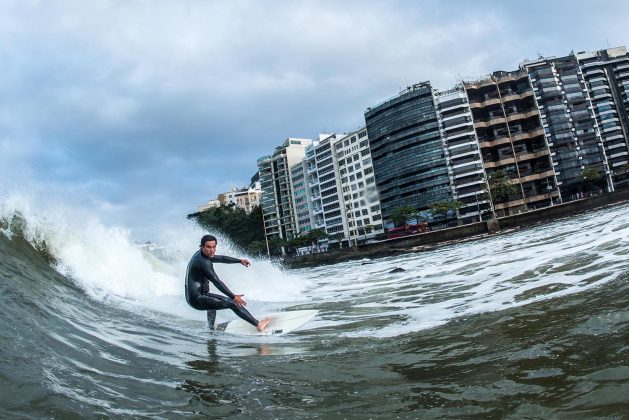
column 224, row 259
column 211, row 275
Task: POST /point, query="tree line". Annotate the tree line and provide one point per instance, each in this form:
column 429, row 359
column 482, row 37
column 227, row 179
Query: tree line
column 246, row 231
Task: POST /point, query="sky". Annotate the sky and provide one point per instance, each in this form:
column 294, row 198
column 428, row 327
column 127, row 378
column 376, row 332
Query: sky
column 140, row 111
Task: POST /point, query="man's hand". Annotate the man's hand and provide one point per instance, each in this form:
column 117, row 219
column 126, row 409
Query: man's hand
column 240, row 302
column 245, row 262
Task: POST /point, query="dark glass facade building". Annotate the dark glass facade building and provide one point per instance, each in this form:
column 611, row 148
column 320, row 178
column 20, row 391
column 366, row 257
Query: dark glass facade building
column 408, row 153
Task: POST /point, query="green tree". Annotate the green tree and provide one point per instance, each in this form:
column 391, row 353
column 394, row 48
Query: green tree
column 365, row 230
column 244, row 230
column 402, row 214
column 443, row 207
column 257, row 247
column 276, row 245
column 591, row 177
column 316, row 235
column 500, row 186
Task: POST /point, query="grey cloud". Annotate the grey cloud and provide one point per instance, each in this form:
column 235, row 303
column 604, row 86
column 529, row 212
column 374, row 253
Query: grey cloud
column 155, row 107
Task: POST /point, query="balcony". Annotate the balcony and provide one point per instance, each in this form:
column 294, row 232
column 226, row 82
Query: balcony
column 532, row 155
column 501, row 162
column 528, row 134
column 512, row 203
column 522, row 115
column 516, row 96
column 535, row 177
column 496, row 142
column 487, row 102
column 542, row 197
column 490, row 122
column 465, row 136
column 511, row 77
column 479, row 84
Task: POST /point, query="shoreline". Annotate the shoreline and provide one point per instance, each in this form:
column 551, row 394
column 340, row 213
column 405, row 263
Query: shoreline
column 465, row 233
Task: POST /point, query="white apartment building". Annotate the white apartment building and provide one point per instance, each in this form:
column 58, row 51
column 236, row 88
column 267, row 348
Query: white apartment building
column 277, row 188
column 359, row 200
column 325, row 184
column 465, row 164
column 334, row 190
column 301, row 197
column 322, row 183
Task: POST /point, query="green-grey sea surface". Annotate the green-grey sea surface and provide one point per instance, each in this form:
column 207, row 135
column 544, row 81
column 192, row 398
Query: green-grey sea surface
column 529, row 324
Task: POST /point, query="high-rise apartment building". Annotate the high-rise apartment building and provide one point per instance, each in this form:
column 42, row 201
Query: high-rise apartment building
column 544, row 125
column 277, row 189
column 566, row 114
column 465, row 164
column 360, row 203
column 409, row 159
column 606, row 73
column 323, row 184
column 340, row 185
column 509, row 130
column 301, row 197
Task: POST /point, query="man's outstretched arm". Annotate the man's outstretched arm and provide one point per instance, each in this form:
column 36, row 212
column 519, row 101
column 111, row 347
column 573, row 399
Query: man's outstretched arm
column 229, row 260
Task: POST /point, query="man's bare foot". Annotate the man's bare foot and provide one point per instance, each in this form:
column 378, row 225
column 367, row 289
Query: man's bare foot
column 263, row 323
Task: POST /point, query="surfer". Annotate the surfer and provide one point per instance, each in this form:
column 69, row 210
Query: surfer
column 200, row 273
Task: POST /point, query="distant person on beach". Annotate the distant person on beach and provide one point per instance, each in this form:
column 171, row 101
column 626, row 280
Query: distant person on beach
column 200, row 273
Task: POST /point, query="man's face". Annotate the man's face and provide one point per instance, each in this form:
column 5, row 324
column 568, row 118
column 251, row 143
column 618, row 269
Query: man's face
column 209, row 248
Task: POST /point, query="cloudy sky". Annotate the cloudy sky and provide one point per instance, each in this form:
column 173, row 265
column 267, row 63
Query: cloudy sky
column 141, row 110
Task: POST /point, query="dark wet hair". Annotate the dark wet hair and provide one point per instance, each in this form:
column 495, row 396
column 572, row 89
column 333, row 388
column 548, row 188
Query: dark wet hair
column 206, row 238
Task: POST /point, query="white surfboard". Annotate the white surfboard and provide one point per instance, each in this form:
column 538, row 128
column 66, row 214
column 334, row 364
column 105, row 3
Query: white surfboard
column 281, row 323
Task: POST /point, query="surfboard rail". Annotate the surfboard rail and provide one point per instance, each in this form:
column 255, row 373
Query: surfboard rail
column 281, row 323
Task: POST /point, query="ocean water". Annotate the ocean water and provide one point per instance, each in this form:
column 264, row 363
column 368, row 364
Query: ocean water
column 529, row 324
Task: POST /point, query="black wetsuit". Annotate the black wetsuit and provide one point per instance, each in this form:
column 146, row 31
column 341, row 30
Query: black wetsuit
column 199, row 274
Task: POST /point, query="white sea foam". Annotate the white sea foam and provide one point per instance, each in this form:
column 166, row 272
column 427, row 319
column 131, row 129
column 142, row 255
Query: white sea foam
column 488, row 275
column 109, row 265
column 437, row 286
